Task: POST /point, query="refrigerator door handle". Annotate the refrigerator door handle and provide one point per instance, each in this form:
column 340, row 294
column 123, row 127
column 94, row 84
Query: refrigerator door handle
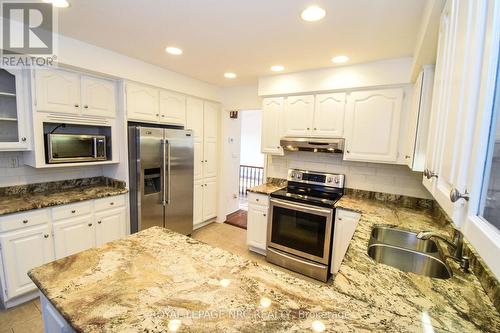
column 168, row 172
column 163, row 172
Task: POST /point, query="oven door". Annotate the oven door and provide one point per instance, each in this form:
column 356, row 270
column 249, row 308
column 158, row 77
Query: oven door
column 300, row 229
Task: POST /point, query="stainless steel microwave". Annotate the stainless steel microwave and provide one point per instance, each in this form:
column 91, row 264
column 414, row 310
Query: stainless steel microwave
column 66, row 148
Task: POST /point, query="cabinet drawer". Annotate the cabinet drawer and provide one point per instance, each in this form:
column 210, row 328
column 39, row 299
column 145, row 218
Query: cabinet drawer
column 21, row 220
column 258, row 199
column 109, row 202
column 71, row 210
column 347, row 215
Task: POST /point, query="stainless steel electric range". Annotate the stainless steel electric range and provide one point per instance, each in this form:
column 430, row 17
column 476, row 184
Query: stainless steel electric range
column 301, row 222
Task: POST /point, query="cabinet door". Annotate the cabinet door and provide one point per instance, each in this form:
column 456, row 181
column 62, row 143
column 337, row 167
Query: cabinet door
column 142, row 103
column 74, row 235
column 211, row 121
column 272, row 119
column 194, row 116
column 372, row 125
column 98, row 97
column 199, row 161
column 23, row 250
column 172, row 108
column 345, row 226
column 299, row 115
column 57, row 91
column 209, row 199
column 458, row 108
column 198, row 203
column 210, row 159
column 257, row 226
column 210, row 142
column 329, row 115
column 110, row 226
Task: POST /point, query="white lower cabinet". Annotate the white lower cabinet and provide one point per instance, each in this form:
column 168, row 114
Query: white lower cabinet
column 53, row 321
column 205, row 201
column 23, row 250
column 258, row 208
column 74, row 235
column 345, row 226
column 33, row 238
column 110, row 226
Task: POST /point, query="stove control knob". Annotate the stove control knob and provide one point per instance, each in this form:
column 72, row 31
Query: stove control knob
column 337, row 180
column 329, row 179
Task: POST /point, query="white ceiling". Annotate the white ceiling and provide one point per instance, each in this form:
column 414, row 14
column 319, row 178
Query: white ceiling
column 245, row 36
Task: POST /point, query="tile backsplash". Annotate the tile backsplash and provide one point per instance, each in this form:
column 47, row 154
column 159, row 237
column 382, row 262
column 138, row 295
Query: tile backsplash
column 386, row 178
column 14, row 172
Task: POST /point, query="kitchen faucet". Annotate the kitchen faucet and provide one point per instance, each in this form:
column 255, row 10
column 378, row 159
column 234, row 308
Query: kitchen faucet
column 456, row 245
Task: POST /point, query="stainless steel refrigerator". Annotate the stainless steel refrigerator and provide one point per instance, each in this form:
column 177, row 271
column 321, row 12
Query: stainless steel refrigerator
column 161, row 178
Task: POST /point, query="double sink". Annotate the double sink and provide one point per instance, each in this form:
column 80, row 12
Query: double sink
column 402, row 249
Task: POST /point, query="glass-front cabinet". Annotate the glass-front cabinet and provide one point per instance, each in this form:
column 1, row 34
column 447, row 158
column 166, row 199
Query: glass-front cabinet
column 13, row 134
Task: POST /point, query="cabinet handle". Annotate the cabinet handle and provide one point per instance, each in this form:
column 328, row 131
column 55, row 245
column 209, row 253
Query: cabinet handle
column 157, row 114
column 407, row 156
column 348, row 151
column 73, row 211
column 85, row 106
column 90, row 224
column 315, row 129
column 455, row 195
column 308, row 128
column 46, row 236
column 111, row 203
column 340, row 219
column 429, row 174
column 77, row 105
column 25, row 221
column 264, row 214
column 163, row 116
column 257, row 199
column 201, row 161
column 206, row 161
column 99, row 222
column 23, row 139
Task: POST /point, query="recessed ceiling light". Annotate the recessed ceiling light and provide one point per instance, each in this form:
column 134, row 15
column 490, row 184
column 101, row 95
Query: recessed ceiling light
column 313, row 13
column 58, row 3
column 277, row 68
column 173, row 50
column 340, row 59
column 229, row 75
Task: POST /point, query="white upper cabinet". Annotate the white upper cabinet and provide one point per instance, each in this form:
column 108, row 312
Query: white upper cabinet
column 211, row 115
column 272, row 119
column 372, row 125
column 299, row 114
column 98, row 97
column 142, row 103
column 172, row 108
column 194, row 116
column 329, row 115
column 454, row 105
column 57, row 91
column 210, row 142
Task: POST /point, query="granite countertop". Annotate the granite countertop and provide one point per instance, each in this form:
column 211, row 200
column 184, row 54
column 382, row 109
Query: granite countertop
column 154, row 278
column 272, row 184
column 26, row 197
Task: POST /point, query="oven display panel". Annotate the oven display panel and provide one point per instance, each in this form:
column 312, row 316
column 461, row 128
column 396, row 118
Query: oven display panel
column 314, row 178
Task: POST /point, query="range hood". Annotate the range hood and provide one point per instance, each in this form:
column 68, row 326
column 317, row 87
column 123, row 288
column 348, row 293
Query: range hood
column 315, row 145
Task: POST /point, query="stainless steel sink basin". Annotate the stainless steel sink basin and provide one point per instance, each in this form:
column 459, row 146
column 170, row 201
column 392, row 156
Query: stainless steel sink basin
column 403, row 250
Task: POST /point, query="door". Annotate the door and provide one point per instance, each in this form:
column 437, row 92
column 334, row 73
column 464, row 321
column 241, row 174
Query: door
column 198, row 202
column 73, row 235
column 57, row 91
column 210, row 143
column 198, row 158
column 209, row 199
column 272, row 119
column 329, row 115
column 257, row 226
column 98, row 97
column 110, row 226
column 152, row 170
column 179, row 180
column 172, row 108
column 194, row 117
column 372, row 125
column 299, row 115
column 23, row 250
column 142, row 103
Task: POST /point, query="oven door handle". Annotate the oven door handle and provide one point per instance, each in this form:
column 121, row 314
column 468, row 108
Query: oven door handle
column 295, row 205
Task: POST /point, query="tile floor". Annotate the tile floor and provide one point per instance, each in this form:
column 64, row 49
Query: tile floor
column 26, row 318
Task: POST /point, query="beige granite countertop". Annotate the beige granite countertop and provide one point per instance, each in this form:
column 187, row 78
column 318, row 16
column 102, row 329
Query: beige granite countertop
column 151, row 279
column 267, row 188
column 19, row 202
